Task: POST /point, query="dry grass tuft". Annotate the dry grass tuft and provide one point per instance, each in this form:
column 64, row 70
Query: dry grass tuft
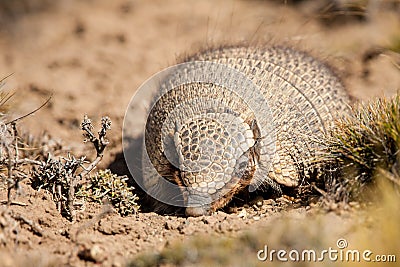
column 365, row 145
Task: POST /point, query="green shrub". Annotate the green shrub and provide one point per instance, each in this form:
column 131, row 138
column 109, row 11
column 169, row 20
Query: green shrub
column 113, row 188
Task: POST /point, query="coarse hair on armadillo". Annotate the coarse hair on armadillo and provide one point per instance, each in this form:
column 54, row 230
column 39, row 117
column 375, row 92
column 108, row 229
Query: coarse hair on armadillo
column 278, row 141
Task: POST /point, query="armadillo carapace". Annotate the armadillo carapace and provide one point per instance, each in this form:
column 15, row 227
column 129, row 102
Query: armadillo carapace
column 214, row 134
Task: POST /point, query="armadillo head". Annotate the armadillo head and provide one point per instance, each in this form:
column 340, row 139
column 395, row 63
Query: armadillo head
column 214, row 152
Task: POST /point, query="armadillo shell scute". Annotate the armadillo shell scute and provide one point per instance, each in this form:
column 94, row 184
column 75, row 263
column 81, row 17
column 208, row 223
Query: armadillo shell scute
column 304, row 98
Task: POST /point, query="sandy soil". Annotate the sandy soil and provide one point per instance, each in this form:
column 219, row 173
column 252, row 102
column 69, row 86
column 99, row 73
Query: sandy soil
column 91, row 56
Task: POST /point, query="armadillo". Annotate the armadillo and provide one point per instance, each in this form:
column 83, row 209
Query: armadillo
column 214, row 137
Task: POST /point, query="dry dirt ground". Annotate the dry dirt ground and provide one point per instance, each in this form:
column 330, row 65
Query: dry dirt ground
column 92, row 55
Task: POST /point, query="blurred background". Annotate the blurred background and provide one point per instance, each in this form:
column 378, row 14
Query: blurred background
column 91, row 55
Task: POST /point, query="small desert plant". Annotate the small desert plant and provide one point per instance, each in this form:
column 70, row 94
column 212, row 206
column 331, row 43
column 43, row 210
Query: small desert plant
column 55, row 176
column 61, row 177
column 366, row 145
column 105, row 185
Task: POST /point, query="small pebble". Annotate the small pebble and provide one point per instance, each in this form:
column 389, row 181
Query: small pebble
column 167, row 226
column 94, row 254
column 354, row 204
column 232, row 209
column 242, row 214
column 333, row 206
column 257, row 201
column 116, row 264
column 269, row 202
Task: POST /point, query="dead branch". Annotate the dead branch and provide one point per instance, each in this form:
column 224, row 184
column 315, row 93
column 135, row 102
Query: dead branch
column 99, row 144
column 60, row 177
column 30, row 113
column 35, row 228
column 105, row 211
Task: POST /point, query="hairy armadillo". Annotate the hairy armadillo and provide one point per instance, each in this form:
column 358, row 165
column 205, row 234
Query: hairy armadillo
column 213, row 141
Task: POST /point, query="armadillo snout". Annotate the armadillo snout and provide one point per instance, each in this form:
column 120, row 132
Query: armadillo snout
column 197, row 211
column 198, row 204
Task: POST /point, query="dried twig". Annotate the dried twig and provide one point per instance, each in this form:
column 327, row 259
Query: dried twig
column 100, row 144
column 9, row 142
column 30, row 113
column 16, row 203
column 319, row 190
column 13, row 163
column 35, row 228
column 106, row 210
column 390, row 176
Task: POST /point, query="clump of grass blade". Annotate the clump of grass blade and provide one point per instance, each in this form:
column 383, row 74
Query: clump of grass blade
column 364, row 145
